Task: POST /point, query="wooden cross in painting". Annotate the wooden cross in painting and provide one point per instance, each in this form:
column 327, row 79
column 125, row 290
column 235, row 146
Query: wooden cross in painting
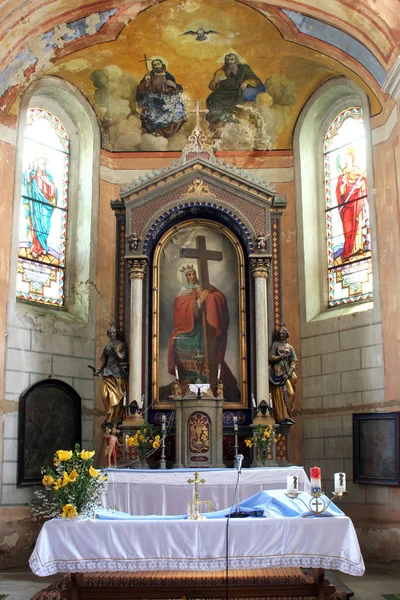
column 203, row 255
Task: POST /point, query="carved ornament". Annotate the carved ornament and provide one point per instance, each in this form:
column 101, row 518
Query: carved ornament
column 136, row 267
column 260, row 266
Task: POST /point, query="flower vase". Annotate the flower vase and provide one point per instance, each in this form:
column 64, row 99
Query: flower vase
column 142, row 455
column 263, row 456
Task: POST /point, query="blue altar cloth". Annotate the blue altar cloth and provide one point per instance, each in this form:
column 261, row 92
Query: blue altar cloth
column 271, row 503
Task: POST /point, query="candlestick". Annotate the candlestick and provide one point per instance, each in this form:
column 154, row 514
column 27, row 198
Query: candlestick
column 219, row 372
column 340, row 482
column 235, row 423
column 176, row 372
column 315, row 477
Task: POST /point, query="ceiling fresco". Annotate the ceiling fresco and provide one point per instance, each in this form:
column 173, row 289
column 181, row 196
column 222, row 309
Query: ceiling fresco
column 244, row 74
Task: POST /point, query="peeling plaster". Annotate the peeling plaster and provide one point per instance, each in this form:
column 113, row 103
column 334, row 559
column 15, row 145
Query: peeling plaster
column 11, row 540
column 37, row 56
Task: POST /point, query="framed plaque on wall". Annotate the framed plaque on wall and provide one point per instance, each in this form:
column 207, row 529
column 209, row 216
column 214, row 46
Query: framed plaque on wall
column 49, row 420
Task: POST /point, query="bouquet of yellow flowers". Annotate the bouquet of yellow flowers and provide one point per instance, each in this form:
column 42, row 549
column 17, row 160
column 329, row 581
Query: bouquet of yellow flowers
column 145, row 439
column 74, row 487
column 262, row 438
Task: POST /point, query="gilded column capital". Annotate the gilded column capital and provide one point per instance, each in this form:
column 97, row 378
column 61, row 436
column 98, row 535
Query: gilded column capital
column 136, row 267
column 260, row 266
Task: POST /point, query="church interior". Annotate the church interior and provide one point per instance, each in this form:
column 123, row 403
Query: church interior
column 199, row 222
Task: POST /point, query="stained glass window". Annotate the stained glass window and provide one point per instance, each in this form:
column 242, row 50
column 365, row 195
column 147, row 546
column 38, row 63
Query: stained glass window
column 43, row 219
column 347, row 210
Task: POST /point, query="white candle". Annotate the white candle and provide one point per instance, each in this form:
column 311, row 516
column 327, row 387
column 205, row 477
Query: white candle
column 270, row 400
column 340, row 482
column 219, row 372
column 253, row 401
column 235, row 423
column 176, row 372
column 291, row 483
column 163, row 422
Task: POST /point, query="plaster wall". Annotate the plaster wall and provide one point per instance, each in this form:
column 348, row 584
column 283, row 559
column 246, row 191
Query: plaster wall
column 349, row 356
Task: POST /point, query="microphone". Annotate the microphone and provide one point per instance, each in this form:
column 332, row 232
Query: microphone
column 239, row 460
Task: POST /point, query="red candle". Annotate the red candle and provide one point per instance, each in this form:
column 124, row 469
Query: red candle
column 315, row 477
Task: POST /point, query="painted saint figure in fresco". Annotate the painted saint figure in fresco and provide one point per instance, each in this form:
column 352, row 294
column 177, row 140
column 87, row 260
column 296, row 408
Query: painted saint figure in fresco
column 351, row 190
column 282, row 376
column 39, row 198
column 201, row 322
column 159, row 97
column 232, row 85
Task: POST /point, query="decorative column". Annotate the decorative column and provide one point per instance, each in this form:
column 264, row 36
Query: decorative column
column 137, row 268
column 260, row 266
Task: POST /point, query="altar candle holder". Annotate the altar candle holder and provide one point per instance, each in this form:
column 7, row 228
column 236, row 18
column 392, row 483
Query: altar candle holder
column 235, row 433
column 317, row 504
column 163, row 462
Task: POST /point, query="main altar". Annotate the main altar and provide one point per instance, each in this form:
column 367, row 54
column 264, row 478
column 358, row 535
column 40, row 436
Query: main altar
column 196, row 243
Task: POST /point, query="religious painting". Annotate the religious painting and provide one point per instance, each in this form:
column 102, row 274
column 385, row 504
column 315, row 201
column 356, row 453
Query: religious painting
column 43, row 217
column 376, row 448
column 347, row 210
column 49, row 420
column 148, row 74
column 199, row 438
column 199, row 326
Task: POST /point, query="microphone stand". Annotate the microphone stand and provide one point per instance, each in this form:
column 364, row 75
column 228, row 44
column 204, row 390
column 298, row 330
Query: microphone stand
column 237, row 514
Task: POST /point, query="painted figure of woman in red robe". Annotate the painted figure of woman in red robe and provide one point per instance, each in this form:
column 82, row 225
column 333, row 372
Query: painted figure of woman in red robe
column 351, row 190
column 201, row 322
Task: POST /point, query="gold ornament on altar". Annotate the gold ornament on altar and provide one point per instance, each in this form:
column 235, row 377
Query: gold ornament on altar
column 196, row 503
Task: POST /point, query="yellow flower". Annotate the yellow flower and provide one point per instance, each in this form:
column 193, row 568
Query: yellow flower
column 249, row 443
column 131, row 441
column 69, row 511
column 141, row 438
column 64, row 455
column 94, row 472
column 73, row 475
column 156, row 444
column 57, row 484
column 86, row 454
column 47, row 480
column 56, row 462
column 267, row 434
column 157, row 438
column 66, row 479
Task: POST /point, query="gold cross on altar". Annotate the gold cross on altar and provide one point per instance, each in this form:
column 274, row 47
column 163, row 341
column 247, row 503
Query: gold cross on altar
column 196, row 482
column 195, row 504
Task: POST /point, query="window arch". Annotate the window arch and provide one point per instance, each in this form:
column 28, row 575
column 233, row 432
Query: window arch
column 347, row 209
column 335, row 102
column 74, row 129
column 44, row 209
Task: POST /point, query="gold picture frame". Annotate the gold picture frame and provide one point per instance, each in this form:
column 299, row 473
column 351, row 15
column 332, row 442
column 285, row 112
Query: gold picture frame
column 175, row 249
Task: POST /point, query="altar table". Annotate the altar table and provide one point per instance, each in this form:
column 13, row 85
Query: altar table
column 166, row 492
column 86, row 546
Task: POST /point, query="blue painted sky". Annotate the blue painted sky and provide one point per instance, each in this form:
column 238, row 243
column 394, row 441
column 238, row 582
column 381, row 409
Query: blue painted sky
column 339, row 39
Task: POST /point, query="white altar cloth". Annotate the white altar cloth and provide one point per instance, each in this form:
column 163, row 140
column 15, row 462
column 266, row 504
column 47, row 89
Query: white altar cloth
column 166, row 492
column 77, row 545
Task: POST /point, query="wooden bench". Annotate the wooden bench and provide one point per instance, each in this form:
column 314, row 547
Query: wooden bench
column 252, row 583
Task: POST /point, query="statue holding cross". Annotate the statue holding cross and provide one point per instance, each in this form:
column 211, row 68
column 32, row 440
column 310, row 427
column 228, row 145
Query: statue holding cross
column 198, row 342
